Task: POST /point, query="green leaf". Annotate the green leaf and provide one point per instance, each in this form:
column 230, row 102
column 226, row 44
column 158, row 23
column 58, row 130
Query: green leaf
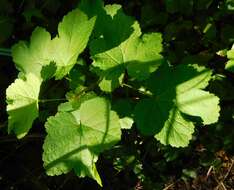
column 22, row 108
column 75, row 139
column 126, row 122
column 200, row 103
column 65, row 148
column 73, row 35
column 126, row 50
column 176, row 90
column 63, row 50
column 151, row 114
column 230, row 64
column 30, row 58
column 124, row 108
column 48, row 71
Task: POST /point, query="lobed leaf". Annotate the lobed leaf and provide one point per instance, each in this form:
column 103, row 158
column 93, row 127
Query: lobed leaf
column 76, row 138
column 22, row 108
column 176, row 90
column 125, row 50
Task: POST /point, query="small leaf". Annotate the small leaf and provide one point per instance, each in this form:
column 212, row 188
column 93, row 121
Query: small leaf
column 22, row 108
column 30, row 58
column 126, row 122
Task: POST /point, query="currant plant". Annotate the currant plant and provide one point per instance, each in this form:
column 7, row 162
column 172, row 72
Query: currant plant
column 170, row 99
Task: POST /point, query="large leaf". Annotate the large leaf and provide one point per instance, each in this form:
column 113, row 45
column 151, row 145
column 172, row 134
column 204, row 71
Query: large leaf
column 22, row 99
column 75, row 139
column 126, row 49
column 175, row 90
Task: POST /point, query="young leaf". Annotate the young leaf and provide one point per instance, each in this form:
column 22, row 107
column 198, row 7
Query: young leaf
column 22, row 108
column 75, row 139
column 73, row 36
column 31, row 58
column 63, row 50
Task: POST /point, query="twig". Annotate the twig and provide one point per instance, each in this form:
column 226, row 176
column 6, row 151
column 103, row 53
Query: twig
column 138, row 90
column 209, row 171
column 223, row 186
column 225, row 177
column 229, row 170
column 171, row 185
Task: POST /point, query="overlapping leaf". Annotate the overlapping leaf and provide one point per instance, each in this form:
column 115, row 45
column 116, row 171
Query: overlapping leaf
column 126, row 49
column 42, row 59
column 76, row 138
column 176, row 90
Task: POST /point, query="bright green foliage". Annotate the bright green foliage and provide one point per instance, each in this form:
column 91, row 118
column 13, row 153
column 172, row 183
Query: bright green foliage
column 138, row 54
column 44, row 58
column 178, row 90
column 30, row 58
column 22, row 98
column 162, row 100
column 73, row 36
column 230, row 64
column 126, row 122
column 63, row 50
column 75, row 139
column 196, row 102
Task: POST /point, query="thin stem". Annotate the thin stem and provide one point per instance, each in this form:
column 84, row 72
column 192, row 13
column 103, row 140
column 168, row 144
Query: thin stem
column 5, row 50
column 8, row 54
column 52, row 100
column 138, row 90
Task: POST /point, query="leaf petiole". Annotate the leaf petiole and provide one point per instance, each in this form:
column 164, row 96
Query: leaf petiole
column 52, row 100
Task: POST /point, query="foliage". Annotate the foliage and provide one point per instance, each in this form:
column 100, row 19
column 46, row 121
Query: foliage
column 104, row 76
